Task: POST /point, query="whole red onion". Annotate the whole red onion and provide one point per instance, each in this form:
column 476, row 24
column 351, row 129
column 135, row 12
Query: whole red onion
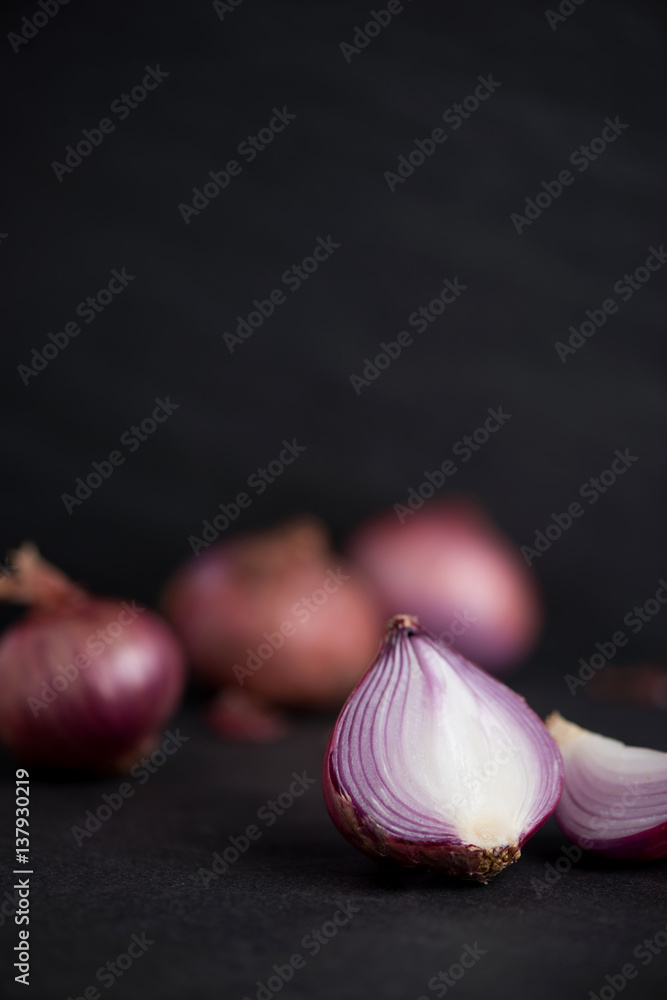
column 86, row 681
column 450, row 566
column 278, row 614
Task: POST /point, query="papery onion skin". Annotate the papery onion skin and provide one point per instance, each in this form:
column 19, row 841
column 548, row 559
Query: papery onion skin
column 71, row 699
column 450, row 854
column 594, row 819
column 450, row 565
column 225, row 601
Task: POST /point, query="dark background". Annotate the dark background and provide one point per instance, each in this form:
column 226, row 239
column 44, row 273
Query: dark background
column 495, row 347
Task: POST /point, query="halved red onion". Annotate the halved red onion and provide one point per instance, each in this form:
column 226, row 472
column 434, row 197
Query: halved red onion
column 434, row 762
column 614, row 800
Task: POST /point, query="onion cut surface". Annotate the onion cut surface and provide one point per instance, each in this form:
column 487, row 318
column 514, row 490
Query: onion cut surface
column 432, row 761
column 614, row 799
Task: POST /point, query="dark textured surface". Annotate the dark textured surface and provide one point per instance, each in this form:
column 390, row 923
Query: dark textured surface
column 542, row 935
column 495, row 347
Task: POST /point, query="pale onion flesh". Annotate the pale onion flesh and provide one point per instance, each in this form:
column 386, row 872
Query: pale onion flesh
column 434, row 762
column 614, row 800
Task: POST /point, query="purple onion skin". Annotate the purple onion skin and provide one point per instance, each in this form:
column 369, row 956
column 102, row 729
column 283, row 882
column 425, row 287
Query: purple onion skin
column 648, row 845
column 456, row 859
column 118, row 702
